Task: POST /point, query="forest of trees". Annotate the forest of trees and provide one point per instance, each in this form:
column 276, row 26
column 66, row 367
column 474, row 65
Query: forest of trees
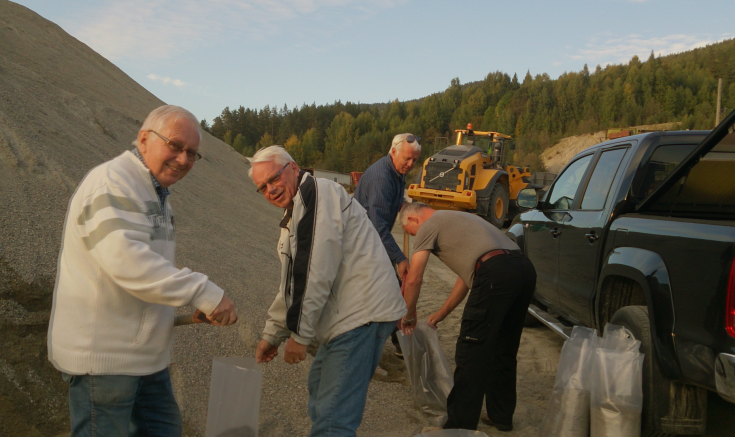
column 536, row 111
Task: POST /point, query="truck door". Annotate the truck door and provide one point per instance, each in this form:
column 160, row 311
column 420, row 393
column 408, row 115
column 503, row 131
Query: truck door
column 582, row 237
column 543, row 231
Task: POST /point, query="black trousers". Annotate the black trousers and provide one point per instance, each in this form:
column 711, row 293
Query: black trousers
column 488, row 341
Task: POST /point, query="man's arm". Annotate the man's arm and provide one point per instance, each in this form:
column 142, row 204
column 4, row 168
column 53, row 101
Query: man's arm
column 275, row 331
column 459, row 292
column 378, row 202
column 413, row 287
column 118, row 236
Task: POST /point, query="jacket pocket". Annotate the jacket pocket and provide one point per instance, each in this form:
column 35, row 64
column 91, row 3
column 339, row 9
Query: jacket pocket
column 148, row 321
column 475, row 328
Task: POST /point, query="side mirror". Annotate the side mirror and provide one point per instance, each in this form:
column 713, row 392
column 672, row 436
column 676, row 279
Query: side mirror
column 527, row 198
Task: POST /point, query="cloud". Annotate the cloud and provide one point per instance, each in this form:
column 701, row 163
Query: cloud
column 165, row 28
column 166, row 80
column 621, row 50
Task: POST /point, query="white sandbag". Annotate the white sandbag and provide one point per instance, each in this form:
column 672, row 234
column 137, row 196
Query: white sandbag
column 428, row 371
column 617, row 386
column 568, row 412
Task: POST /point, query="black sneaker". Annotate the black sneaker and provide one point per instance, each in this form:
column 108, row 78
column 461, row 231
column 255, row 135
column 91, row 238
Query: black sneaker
column 398, row 352
column 487, row 421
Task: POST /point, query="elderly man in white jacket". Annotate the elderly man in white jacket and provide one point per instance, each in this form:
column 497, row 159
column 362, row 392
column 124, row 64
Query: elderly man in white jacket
column 338, row 286
column 112, row 318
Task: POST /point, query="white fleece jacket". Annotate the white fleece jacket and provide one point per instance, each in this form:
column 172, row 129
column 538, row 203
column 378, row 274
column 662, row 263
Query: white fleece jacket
column 117, row 285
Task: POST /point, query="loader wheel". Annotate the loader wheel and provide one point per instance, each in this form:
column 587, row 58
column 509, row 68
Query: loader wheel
column 658, row 391
column 497, row 209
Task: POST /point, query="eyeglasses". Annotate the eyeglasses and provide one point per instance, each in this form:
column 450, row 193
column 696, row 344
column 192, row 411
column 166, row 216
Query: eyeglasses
column 272, row 180
column 412, row 138
column 178, row 148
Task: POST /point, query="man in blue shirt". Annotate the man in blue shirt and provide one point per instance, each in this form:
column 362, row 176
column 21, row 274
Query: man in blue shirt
column 380, row 192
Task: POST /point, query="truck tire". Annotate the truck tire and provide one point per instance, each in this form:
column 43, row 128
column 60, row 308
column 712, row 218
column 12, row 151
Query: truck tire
column 657, row 389
column 497, row 209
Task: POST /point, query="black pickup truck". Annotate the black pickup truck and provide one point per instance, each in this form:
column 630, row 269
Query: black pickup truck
column 640, row 231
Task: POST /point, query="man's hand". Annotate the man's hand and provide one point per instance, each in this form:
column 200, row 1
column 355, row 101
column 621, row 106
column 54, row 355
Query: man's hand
column 224, row 314
column 436, row 318
column 402, row 268
column 295, row 352
column 265, row 352
column 407, row 324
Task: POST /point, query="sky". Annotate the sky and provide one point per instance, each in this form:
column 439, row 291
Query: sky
column 206, row 55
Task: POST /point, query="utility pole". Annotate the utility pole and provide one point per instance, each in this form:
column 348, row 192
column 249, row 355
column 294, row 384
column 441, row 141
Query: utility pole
column 719, row 101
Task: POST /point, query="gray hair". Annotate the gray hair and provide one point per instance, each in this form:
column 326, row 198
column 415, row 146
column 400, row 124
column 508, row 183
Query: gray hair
column 400, row 139
column 410, row 209
column 166, row 114
column 274, row 153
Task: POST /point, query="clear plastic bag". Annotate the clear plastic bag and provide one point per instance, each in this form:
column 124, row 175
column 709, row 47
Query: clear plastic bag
column 568, row 413
column 234, row 397
column 428, row 371
column 617, row 385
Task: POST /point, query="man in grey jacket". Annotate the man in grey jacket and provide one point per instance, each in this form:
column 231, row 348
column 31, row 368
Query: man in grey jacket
column 337, row 286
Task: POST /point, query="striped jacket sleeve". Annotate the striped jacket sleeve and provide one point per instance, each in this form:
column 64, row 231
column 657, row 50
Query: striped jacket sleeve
column 117, row 230
column 318, row 255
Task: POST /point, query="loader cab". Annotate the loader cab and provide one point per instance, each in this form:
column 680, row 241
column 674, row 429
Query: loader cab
column 493, row 144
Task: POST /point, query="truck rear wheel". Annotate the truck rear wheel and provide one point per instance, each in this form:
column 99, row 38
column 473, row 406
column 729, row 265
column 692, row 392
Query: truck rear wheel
column 662, row 398
column 497, row 209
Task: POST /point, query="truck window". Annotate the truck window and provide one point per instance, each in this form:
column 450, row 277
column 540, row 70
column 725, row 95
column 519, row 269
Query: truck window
column 662, row 162
column 708, row 190
column 602, row 176
column 563, row 191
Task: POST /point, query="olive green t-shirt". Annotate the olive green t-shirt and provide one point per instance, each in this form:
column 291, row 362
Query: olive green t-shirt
column 459, row 239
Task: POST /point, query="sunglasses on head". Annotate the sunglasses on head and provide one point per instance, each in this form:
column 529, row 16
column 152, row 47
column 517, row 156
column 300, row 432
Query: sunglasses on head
column 412, row 138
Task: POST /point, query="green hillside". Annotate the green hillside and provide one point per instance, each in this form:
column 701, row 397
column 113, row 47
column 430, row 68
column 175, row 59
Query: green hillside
column 537, row 111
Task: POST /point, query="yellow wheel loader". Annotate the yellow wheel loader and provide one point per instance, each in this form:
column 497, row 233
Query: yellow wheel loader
column 472, row 176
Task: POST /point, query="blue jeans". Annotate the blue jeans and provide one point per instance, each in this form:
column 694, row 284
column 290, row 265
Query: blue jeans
column 122, row 406
column 339, row 379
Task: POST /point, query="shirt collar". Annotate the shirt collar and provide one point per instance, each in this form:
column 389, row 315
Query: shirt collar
column 159, row 189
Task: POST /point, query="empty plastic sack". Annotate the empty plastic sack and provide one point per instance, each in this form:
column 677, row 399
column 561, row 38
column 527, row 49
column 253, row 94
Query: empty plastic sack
column 617, row 388
column 234, row 397
column 568, row 413
column 428, row 371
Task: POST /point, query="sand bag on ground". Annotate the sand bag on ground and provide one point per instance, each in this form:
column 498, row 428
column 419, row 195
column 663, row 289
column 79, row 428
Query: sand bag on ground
column 568, row 413
column 617, row 385
column 428, row 371
column 452, row 433
column 234, row 397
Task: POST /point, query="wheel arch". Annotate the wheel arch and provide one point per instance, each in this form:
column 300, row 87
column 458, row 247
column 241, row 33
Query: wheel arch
column 644, row 279
column 516, row 233
column 499, row 176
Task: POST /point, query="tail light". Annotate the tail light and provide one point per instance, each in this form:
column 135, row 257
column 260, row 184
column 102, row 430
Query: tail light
column 730, row 314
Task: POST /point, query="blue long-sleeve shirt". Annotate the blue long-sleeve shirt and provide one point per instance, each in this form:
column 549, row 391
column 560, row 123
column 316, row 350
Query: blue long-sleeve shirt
column 380, row 192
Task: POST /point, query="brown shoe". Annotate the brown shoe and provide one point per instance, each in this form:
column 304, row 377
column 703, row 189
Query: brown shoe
column 487, row 421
